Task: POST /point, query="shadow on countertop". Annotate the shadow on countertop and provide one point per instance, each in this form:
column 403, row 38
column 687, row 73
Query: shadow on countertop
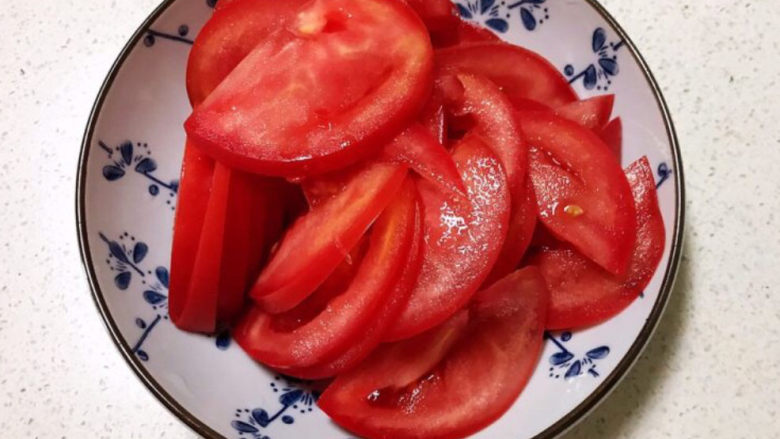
column 614, row 416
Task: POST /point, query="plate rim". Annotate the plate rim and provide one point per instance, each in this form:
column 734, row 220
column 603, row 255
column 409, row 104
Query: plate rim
column 565, row 423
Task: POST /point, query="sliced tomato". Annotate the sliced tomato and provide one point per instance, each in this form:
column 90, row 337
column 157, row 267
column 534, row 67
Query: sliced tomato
column 315, row 245
column 465, row 234
column 495, row 121
column 199, row 308
column 591, row 113
column 521, row 73
column 530, row 105
column 584, row 294
column 322, row 188
column 482, row 368
column 373, row 335
column 612, row 135
column 462, row 32
column 348, row 76
column 582, row 194
column 422, row 153
column 522, row 224
column 193, row 196
column 492, row 117
column 235, row 28
column 347, row 316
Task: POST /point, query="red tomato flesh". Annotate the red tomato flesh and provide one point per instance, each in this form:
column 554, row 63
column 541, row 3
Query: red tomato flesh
column 612, row 135
column 522, row 224
column 235, row 28
column 462, row 239
column 582, row 195
column 348, row 315
column 347, row 76
column 315, row 245
column 481, row 368
column 194, row 189
column 426, row 156
column 582, row 293
column 372, row 336
column 591, row 113
column 520, row 73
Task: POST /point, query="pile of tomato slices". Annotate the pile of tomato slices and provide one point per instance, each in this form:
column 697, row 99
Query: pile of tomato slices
column 378, row 194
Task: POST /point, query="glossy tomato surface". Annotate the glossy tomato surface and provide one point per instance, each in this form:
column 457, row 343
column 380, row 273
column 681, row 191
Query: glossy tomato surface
column 582, row 194
column 584, row 294
column 462, row 239
column 331, row 89
column 481, row 361
column 317, row 243
column 293, row 341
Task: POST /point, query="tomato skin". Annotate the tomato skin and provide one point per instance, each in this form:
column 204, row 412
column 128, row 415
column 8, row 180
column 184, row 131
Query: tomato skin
column 194, row 190
column 377, row 82
column 463, row 233
column 612, row 135
column 521, row 73
column 348, row 315
column 582, row 293
column 591, row 113
column 416, row 148
column 582, row 195
column 235, row 28
column 318, row 241
column 481, row 372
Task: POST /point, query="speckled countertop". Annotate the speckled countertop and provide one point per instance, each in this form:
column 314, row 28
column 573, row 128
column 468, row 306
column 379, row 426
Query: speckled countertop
column 710, row 371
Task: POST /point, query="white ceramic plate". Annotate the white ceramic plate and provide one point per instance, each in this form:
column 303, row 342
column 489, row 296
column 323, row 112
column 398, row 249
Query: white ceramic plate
column 126, row 195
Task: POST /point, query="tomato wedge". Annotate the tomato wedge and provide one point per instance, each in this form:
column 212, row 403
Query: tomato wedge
column 432, row 117
column 234, row 29
column 372, row 336
column 520, row 73
column 345, row 78
column 397, row 392
column 591, row 113
column 467, row 234
column 198, row 309
column 612, row 135
column 582, row 293
column 582, row 194
column 315, row 245
column 194, row 189
column 495, row 120
column 522, row 224
column 347, row 316
column 418, row 149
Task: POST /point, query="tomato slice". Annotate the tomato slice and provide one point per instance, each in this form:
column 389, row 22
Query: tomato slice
column 521, row 73
column 347, row 76
column 495, row 121
column 591, row 113
column 582, row 195
column 372, row 336
column 315, row 245
column 199, row 308
column 397, row 392
column 235, row 28
column 582, row 293
column 438, row 15
column 346, row 316
column 466, row 234
column 612, row 135
column 422, row 153
column 194, row 190
column 522, row 224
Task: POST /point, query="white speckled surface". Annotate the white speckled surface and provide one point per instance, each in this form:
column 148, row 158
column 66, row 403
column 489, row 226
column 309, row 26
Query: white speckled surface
column 708, row 372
